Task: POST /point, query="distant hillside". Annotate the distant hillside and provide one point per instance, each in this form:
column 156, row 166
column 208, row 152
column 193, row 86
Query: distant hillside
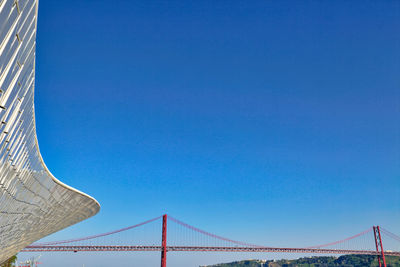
column 343, row 261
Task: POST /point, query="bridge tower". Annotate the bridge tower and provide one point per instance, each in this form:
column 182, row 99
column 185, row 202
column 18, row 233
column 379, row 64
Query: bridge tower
column 378, row 244
column 164, row 242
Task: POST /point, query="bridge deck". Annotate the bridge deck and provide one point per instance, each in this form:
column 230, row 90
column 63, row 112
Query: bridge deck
column 217, row 249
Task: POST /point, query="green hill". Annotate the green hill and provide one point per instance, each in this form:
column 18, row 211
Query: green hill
column 345, row 261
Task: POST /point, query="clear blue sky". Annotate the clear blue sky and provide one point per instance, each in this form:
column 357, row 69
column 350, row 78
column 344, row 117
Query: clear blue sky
column 272, row 122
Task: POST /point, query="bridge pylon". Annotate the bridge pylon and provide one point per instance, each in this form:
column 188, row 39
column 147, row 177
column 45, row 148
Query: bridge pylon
column 164, row 241
column 379, row 247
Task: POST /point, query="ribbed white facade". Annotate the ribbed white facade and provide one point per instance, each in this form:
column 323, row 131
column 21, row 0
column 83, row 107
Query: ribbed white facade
column 33, row 203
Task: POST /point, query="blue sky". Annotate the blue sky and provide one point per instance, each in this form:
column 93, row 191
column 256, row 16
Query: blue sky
column 272, row 122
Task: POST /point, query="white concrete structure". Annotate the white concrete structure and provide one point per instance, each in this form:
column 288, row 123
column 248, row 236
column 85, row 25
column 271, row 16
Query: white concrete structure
column 33, row 203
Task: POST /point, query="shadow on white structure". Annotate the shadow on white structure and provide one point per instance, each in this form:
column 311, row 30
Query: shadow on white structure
column 33, row 203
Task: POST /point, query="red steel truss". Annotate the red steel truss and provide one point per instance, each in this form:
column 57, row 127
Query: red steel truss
column 216, row 249
column 237, row 246
column 164, row 242
column 379, row 248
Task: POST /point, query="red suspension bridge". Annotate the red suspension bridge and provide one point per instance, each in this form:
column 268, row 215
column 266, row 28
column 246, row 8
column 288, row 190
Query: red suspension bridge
column 368, row 242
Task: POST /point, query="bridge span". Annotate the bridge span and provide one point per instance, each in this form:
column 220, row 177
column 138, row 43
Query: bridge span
column 187, row 238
